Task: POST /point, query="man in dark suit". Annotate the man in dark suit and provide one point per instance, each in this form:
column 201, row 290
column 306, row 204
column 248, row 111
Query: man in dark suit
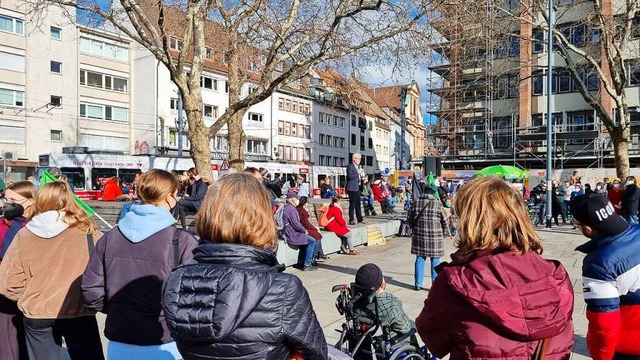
column 353, row 189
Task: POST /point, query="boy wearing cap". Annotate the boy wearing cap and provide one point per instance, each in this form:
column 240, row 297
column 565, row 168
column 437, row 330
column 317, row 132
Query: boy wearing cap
column 610, row 277
column 390, row 312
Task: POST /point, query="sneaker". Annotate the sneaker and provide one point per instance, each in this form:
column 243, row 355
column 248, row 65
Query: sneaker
column 353, row 252
column 323, row 258
column 362, row 222
column 309, row 268
column 344, row 249
column 352, row 222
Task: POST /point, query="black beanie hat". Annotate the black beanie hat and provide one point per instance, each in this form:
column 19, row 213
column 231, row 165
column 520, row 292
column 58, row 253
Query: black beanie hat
column 369, row 275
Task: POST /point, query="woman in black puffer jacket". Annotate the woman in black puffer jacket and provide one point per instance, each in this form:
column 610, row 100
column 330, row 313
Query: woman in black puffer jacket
column 234, row 301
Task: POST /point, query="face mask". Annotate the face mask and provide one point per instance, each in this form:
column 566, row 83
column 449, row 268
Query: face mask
column 630, row 182
column 598, row 187
column 12, row 210
column 447, row 204
column 616, row 185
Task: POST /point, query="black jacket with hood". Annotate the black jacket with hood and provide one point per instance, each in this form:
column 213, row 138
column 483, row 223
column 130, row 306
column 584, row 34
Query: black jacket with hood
column 235, row 303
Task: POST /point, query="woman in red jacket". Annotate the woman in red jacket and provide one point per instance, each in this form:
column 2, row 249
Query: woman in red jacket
column 112, row 191
column 339, row 227
column 498, row 298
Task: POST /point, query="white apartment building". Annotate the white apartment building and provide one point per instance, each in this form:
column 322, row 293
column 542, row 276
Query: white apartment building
column 395, row 139
column 60, row 85
column 330, row 134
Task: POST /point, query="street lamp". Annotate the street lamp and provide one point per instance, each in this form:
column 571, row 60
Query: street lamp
column 549, row 112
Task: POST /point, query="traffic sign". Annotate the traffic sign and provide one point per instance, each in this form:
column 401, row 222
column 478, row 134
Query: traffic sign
column 225, row 165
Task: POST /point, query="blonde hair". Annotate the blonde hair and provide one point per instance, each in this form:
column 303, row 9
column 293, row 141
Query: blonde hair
column 59, row 197
column 237, row 210
column 493, row 216
column 155, row 185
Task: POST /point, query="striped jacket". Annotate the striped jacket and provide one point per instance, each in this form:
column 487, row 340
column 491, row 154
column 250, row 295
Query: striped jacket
column 611, row 286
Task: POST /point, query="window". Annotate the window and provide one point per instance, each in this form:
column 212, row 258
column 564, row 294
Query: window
column 538, row 41
column 280, row 127
column 56, row 135
column 564, row 81
column 369, row 160
column 294, row 106
column 280, row 104
column 56, row 67
column 210, row 111
column 287, row 105
column 55, row 101
column 208, row 53
column 322, row 139
column 11, row 25
column 104, row 143
column 307, row 131
column 538, row 84
column 103, row 112
column 12, row 134
column 56, row 33
column 255, row 117
column 353, row 139
column 370, row 143
column 225, row 57
column 307, row 109
column 634, row 73
column 175, row 43
column 104, row 50
column 226, row 87
column 353, row 121
column 174, row 104
column 11, row 62
column 328, row 140
column 103, row 81
column 256, row 146
column 11, row 98
column 294, row 130
column 287, row 128
column 209, row 83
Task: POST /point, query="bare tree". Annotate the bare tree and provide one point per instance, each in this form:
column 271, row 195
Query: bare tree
column 266, row 43
column 612, row 24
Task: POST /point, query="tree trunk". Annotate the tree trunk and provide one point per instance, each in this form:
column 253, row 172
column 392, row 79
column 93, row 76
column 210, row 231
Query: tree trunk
column 236, row 139
column 198, row 135
column 620, row 141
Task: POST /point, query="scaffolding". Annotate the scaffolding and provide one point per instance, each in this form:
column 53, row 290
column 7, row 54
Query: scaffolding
column 474, row 92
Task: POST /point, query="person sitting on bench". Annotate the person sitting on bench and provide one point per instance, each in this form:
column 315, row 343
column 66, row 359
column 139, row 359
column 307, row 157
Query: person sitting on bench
column 192, row 201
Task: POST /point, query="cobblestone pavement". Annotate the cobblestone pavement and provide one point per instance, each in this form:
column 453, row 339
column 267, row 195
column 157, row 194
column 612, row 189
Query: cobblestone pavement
column 397, row 265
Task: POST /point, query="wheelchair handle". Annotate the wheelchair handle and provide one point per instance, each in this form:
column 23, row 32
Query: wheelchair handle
column 339, row 287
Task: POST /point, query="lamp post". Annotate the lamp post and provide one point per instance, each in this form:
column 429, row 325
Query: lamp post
column 549, row 113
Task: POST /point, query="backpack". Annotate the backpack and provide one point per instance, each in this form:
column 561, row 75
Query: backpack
column 323, row 219
column 278, row 215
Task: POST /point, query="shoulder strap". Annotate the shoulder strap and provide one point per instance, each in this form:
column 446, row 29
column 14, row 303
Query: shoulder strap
column 421, row 211
column 541, row 350
column 176, row 247
column 90, row 244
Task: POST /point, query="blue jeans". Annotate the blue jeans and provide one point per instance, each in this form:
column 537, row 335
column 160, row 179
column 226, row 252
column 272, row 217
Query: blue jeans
column 631, row 219
column 419, row 269
column 542, row 215
column 308, row 251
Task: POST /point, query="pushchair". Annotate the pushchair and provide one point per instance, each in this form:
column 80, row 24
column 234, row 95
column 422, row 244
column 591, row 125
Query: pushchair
column 362, row 341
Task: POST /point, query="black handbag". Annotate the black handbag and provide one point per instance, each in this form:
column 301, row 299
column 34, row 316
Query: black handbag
column 405, row 229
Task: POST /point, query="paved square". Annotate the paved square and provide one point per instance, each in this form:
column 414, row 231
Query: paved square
column 397, row 264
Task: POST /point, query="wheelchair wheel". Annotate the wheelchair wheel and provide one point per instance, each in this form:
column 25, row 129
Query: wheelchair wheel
column 406, row 352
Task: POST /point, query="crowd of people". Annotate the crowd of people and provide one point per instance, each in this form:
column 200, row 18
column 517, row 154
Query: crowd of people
column 623, row 195
column 169, row 295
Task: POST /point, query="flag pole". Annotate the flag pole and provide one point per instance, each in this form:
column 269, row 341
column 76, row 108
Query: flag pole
column 103, row 220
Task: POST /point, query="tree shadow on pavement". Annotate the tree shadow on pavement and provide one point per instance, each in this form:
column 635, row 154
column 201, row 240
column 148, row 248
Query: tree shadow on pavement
column 351, row 271
column 580, row 345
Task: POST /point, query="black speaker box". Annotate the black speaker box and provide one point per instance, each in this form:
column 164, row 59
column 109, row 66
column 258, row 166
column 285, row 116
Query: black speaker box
column 432, row 164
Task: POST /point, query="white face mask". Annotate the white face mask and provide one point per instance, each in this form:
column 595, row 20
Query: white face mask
column 598, row 187
column 630, row 182
column 616, row 185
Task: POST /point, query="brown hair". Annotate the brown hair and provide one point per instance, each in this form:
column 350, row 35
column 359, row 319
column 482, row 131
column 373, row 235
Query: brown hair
column 237, row 210
column 334, row 200
column 58, row 196
column 27, row 190
column 493, row 216
column 154, row 186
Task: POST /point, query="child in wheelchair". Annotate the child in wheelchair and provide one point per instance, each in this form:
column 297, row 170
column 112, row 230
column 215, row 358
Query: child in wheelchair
column 390, row 311
column 376, row 326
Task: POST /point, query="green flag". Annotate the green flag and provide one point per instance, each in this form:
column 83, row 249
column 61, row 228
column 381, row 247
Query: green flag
column 431, row 182
column 46, row 178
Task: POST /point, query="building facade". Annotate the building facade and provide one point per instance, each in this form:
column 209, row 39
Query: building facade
column 489, row 88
